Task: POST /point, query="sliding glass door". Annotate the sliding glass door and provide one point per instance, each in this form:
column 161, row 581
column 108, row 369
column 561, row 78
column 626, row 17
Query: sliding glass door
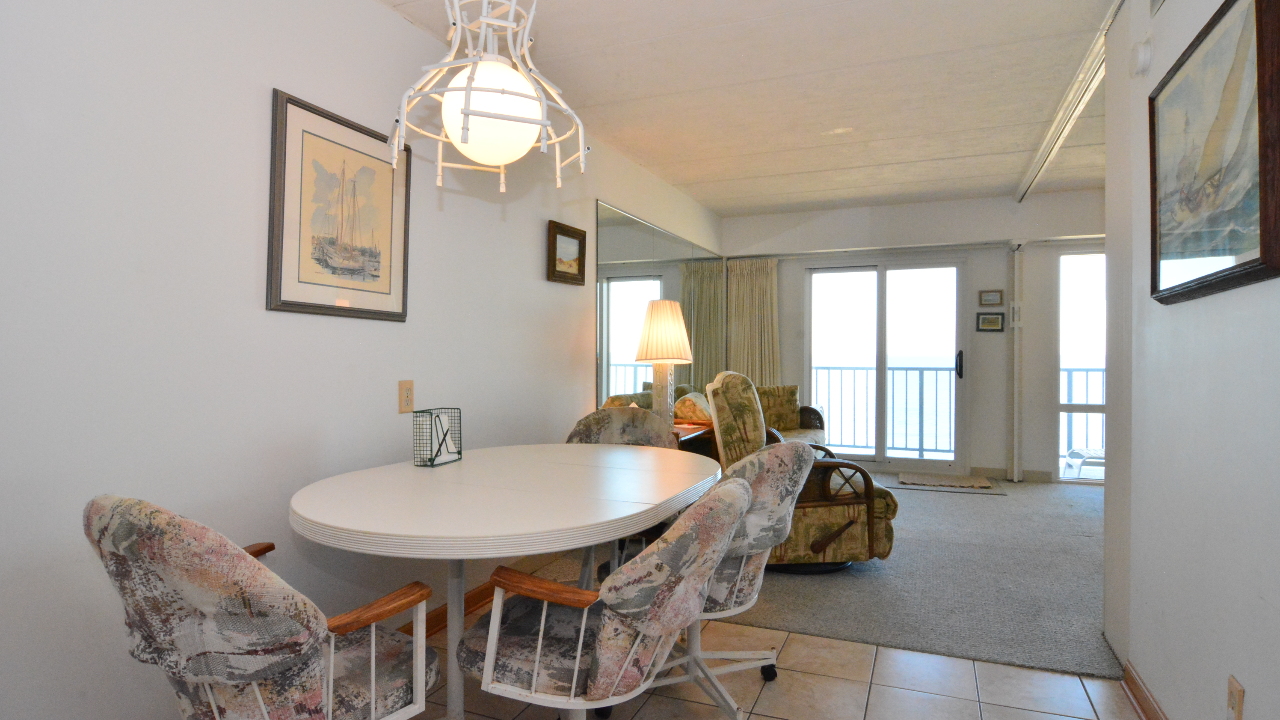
column 844, row 342
column 883, row 361
column 922, row 363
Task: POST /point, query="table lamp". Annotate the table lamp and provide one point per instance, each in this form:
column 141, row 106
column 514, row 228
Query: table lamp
column 665, row 343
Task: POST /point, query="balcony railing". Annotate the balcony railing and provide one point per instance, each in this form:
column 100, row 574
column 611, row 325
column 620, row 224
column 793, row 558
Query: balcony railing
column 920, row 409
column 627, row 378
column 1082, row 430
column 1082, row 386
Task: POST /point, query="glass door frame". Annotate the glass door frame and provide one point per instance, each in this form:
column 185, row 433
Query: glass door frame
column 1089, row 247
column 602, row 325
column 883, row 263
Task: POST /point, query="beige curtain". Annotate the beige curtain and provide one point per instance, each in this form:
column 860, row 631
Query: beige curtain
column 753, row 348
column 702, row 298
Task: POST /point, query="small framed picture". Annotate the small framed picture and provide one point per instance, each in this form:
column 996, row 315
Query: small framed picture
column 339, row 234
column 566, row 254
column 990, row 322
column 989, row 298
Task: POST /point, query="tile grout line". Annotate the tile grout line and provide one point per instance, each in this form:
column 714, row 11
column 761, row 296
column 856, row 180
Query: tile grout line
column 913, row 690
column 1097, row 715
column 755, row 702
column 1038, row 712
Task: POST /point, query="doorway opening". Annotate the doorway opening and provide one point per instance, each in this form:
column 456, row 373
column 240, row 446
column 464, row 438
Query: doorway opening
column 1082, row 367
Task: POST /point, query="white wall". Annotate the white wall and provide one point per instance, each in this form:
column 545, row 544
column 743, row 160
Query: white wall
column 1040, row 216
column 137, row 358
column 1202, row 498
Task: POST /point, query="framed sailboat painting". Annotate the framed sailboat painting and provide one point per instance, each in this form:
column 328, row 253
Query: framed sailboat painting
column 1215, row 157
column 339, row 231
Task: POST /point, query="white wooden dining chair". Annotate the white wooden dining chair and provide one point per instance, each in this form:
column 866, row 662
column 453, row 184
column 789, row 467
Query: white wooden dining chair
column 237, row 643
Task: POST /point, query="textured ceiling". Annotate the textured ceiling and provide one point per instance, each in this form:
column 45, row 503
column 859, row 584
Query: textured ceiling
column 761, row 106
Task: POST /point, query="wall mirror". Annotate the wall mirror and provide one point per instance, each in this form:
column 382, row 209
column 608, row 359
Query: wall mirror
column 636, row 262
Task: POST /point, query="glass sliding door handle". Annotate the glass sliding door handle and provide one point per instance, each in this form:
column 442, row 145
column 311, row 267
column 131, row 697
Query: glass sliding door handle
column 960, row 365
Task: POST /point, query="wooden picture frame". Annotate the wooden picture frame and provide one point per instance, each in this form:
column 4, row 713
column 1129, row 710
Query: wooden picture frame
column 990, row 322
column 1213, row 174
column 338, row 239
column 990, row 298
column 566, row 254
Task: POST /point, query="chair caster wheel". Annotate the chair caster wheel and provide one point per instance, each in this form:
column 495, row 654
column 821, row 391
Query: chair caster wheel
column 769, row 672
column 604, row 712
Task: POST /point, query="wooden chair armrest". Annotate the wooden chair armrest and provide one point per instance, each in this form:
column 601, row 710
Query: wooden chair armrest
column 811, row 418
column 538, row 588
column 384, row 607
column 833, row 464
column 773, row 437
column 259, row 549
column 826, row 452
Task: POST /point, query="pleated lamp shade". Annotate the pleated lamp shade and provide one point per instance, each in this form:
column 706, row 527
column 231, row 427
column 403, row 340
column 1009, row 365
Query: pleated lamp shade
column 664, row 339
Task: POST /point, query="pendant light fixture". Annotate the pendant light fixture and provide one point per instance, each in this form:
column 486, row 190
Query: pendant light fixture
column 494, row 108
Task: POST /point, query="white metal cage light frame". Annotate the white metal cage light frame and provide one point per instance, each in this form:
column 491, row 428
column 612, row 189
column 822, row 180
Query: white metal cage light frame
column 497, row 21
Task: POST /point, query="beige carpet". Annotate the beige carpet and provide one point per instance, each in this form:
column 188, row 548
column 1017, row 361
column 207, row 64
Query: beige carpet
column 955, row 481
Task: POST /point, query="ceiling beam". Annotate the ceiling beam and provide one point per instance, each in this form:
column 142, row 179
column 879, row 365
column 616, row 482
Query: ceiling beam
column 1082, row 87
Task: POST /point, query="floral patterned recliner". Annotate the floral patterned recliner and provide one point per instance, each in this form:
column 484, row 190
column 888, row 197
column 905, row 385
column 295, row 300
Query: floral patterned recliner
column 566, row 647
column 830, row 524
column 238, row 643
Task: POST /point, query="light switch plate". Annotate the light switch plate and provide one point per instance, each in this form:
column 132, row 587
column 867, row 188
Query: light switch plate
column 1235, row 697
column 405, row 396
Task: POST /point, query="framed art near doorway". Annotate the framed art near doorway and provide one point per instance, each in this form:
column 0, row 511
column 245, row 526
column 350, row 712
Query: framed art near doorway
column 1215, row 150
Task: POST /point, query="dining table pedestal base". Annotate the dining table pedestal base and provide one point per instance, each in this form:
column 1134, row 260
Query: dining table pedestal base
column 456, row 616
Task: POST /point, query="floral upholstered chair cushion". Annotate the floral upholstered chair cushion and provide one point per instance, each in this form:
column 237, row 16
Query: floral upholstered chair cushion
column 639, row 399
column 643, row 607
column 623, row 426
column 680, row 390
column 693, row 406
column 218, row 622
column 781, row 406
column 776, row 475
column 739, row 421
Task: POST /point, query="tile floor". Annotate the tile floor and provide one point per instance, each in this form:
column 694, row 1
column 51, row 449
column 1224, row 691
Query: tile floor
column 822, row 679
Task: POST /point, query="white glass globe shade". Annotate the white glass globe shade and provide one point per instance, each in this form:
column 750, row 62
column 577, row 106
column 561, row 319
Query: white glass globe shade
column 491, row 141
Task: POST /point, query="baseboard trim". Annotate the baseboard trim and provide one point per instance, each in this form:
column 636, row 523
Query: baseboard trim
column 1037, row 476
column 993, row 473
column 1140, row 696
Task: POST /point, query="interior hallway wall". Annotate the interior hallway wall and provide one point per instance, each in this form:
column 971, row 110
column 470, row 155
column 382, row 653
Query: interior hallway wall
column 137, row 357
column 1198, row 563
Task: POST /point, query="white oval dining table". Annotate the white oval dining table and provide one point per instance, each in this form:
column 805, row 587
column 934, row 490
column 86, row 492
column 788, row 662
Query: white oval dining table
column 499, row 502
